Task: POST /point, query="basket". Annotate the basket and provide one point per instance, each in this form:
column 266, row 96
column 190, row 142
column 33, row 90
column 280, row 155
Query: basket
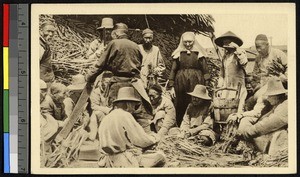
column 223, row 107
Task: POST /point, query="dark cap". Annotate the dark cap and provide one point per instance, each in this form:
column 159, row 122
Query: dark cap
column 157, row 88
column 261, row 37
column 121, row 26
column 147, row 31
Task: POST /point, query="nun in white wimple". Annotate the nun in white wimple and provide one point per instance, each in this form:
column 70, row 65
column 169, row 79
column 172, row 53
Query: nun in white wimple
column 189, row 68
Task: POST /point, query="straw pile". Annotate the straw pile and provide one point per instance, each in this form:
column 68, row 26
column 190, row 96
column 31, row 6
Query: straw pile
column 69, row 48
column 186, row 153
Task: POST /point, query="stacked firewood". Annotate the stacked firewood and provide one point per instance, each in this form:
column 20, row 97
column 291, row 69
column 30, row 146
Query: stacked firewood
column 69, row 48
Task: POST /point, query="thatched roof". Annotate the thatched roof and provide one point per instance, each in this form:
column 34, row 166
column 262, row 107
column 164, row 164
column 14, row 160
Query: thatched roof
column 171, row 24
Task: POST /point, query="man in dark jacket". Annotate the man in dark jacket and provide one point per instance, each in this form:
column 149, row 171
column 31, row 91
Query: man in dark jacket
column 123, row 58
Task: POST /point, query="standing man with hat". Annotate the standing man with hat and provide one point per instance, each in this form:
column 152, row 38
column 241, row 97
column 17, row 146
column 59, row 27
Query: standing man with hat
column 96, row 47
column 47, row 31
column 122, row 138
column 123, row 58
column 197, row 119
column 269, row 132
column 234, row 62
column 153, row 64
column 106, row 28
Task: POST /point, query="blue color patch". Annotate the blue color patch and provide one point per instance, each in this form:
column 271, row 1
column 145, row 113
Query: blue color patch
column 6, row 153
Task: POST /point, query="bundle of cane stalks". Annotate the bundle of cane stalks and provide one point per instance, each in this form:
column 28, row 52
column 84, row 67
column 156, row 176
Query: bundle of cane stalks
column 276, row 67
column 229, row 137
column 66, row 151
column 187, row 153
column 181, row 151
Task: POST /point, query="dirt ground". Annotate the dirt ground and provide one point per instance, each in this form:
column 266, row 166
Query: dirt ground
column 185, row 153
column 178, row 156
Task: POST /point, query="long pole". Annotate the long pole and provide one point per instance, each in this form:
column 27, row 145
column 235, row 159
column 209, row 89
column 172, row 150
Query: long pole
column 104, row 36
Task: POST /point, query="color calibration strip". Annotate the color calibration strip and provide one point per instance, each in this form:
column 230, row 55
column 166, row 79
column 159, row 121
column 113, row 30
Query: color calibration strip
column 16, row 91
column 13, row 87
column 6, row 154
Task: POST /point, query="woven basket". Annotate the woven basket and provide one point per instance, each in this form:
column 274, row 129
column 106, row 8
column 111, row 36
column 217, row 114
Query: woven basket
column 223, row 107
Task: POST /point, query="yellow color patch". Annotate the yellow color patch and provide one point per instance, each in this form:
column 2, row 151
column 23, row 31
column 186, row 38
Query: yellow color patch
column 5, row 68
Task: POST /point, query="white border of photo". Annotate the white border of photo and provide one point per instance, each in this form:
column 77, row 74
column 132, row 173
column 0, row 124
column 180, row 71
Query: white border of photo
column 287, row 9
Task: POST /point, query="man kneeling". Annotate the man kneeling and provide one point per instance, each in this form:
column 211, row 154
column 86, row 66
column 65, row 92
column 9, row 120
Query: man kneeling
column 121, row 137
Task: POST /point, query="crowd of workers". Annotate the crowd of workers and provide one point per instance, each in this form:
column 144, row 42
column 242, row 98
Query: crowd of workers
column 132, row 106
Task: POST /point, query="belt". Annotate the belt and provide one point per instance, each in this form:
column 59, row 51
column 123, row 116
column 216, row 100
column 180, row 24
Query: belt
column 121, row 74
column 183, row 68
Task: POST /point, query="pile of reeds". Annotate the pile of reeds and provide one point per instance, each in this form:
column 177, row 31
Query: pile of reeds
column 66, row 151
column 69, row 48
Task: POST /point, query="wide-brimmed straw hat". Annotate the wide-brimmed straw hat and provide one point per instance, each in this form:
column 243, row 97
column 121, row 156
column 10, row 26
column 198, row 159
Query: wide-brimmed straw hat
column 228, row 35
column 275, row 87
column 200, row 91
column 127, row 94
column 106, row 23
column 78, row 82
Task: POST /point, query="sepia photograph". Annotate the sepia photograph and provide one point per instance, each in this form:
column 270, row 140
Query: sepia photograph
column 163, row 88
